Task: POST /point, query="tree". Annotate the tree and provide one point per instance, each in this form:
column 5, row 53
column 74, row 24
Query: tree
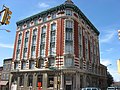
column 109, row 79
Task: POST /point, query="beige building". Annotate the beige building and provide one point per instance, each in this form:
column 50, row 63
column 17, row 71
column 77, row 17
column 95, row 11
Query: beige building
column 57, row 49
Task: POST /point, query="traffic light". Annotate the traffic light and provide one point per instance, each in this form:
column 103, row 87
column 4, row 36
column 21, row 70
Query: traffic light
column 6, row 16
column 37, row 63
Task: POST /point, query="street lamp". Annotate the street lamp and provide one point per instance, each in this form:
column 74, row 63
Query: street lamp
column 5, row 30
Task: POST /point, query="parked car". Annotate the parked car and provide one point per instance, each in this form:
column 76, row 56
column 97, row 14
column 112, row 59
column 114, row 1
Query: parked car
column 113, row 88
column 90, row 88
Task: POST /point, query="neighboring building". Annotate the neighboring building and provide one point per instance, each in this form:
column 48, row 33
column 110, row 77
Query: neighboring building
column 59, row 45
column 1, row 68
column 4, row 83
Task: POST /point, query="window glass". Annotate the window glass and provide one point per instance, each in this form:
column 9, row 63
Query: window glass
column 44, row 29
column 16, row 65
column 51, row 62
column 50, row 81
column 53, row 15
column 53, row 26
column 69, row 48
column 30, row 80
column 32, row 64
column 44, row 19
column 69, row 12
column 68, row 62
column 21, row 80
column 23, row 65
column 42, row 50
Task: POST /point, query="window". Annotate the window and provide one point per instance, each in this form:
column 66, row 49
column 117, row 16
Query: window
column 33, row 51
column 20, row 36
column 21, row 80
column 31, row 64
column 27, row 34
column 30, row 80
column 50, row 81
column 69, row 62
column 34, row 37
column 18, row 54
column 42, row 50
column 25, row 53
column 26, row 42
column 51, row 62
column 52, row 48
column 42, row 39
column 39, row 79
column 69, row 35
column 53, row 15
column 4, row 67
column 23, row 65
column 45, row 19
column 52, row 36
column 7, row 76
column 69, row 48
column 53, row 26
column 69, row 24
column 16, row 65
column 44, row 29
column 3, row 76
column 69, row 12
column 19, row 44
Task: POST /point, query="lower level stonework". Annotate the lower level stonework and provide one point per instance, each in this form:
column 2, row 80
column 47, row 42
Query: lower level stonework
column 64, row 79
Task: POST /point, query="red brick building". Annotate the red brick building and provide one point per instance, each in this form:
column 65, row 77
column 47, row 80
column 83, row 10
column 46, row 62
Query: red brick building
column 59, row 45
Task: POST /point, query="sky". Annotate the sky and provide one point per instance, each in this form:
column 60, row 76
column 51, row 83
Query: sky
column 104, row 14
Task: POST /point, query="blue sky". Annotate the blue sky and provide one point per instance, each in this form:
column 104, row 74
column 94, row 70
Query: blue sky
column 104, row 14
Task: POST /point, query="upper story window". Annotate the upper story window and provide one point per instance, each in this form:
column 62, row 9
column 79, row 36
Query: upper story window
column 16, row 65
column 45, row 19
column 53, row 26
column 69, row 12
column 53, row 15
column 23, row 65
column 27, row 34
column 69, row 24
column 68, row 62
column 44, row 29
column 31, row 64
column 51, row 62
column 20, row 36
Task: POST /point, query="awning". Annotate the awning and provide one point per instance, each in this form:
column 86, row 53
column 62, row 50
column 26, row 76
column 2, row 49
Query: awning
column 3, row 82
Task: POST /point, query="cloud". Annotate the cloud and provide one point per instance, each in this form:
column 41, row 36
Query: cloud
column 109, row 50
column 7, row 45
column 107, row 36
column 43, row 5
column 105, row 62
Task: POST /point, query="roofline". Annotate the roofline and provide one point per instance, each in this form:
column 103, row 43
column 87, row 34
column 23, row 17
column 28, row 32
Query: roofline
column 60, row 7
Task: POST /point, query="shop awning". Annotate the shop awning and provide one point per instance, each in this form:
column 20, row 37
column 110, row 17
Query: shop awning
column 3, row 82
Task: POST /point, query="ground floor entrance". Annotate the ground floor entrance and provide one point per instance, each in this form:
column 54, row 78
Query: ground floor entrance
column 66, row 79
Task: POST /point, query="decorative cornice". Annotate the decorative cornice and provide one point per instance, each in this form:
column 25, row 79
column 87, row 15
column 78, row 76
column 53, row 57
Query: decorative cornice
column 57, row 8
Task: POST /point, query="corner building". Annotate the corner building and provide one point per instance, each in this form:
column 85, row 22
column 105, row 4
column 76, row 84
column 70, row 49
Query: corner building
column 58, row 48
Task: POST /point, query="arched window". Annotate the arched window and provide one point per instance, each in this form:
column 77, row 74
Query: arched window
column 30, row 80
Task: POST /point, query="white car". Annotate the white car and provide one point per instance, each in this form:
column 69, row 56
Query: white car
column 113, row 88
column 90, row 88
